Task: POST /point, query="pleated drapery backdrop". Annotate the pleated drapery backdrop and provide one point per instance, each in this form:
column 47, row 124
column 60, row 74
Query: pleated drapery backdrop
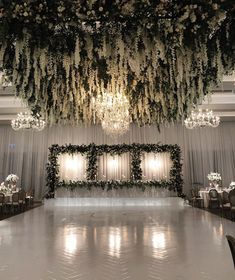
column 203, row 150
column 72, row 167
column 114, row 167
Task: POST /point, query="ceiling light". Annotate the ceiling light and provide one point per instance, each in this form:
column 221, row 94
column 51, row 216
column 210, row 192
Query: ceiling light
column 202, row 119
column 28, row 120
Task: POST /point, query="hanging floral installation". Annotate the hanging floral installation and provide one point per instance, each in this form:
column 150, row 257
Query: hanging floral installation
column 164, row 55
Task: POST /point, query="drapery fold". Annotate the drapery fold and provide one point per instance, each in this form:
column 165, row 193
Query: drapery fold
column 203, row 150
column 114, row 167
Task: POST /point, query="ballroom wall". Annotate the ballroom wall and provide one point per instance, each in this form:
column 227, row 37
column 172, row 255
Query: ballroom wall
column 203, row 150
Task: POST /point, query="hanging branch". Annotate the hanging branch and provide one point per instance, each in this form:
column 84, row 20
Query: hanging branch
column 165, row 56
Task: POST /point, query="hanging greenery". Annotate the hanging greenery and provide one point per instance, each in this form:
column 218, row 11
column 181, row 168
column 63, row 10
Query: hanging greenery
column 164, row 55
column 92, row 153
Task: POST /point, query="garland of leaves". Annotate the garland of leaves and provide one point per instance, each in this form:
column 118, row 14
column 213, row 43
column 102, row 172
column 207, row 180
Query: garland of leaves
column 92, row 153
column 114, row 184
column 164, row 55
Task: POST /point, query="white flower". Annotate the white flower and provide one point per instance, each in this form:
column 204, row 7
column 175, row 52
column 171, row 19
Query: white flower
column 213, row 176
column 60, row 9
column 12, row 178
column 232, row 184
column 3, row 188
column 193, row 17
column 38, row 18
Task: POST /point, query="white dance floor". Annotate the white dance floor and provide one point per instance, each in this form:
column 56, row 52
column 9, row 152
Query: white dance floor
column 115, row 239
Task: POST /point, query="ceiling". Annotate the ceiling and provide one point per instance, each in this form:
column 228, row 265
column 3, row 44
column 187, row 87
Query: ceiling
column 222, row 101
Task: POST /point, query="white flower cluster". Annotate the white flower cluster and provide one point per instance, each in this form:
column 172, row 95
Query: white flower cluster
column 12, row 178
column 152, row 61
column 122, row 61
column 232, row 185
column 3, row 188
column 213, row 176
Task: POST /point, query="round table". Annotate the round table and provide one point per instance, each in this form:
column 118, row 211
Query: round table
column 204, row 194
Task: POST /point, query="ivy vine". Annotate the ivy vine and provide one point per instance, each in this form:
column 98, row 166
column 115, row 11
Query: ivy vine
column 92, row 152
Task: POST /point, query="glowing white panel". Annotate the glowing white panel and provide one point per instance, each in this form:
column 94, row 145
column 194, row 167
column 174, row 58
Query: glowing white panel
column 156, row 166
column 114, row 167
column 72, row 167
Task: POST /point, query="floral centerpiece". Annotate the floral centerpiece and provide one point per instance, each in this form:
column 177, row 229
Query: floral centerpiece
column 232, row 185
column 213, row 176
column 214, row 179
column 12, row 178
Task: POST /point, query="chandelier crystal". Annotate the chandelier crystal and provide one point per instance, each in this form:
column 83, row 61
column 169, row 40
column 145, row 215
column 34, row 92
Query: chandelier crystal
column 28, row 120
column 202, row 119
column 113, row 111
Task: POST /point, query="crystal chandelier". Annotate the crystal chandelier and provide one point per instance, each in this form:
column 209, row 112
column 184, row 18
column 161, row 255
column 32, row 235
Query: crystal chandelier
column 28, row 120
column 202, row 119
column 113, row 111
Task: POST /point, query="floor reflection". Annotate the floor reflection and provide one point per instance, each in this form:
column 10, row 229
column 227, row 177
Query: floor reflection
column 159, row 240
column 74, row 239
column 115, row 240
column 70, row 241
column 156, row 240
column 115, row 243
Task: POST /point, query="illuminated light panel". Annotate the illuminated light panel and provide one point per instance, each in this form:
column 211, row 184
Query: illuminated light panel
column 73, row 163
column 113, row 162
column 155, row 163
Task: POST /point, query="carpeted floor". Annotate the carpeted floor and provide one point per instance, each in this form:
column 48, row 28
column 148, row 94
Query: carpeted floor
column 11, row 214
column 224, row 213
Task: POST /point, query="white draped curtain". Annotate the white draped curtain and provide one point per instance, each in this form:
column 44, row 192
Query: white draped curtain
column 156, row 166
column 114, row 167
column 72, row 167
column 203, row 150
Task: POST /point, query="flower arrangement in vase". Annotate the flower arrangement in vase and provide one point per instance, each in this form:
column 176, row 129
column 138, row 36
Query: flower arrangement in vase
column 232, row 185
column 214, row 179
column 12, row 180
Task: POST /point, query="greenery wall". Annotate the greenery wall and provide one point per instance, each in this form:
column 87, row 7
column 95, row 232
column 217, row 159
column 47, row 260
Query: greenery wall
column 92, row 153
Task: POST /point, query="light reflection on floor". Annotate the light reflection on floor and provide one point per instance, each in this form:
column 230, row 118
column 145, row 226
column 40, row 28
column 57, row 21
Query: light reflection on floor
column 166, row 241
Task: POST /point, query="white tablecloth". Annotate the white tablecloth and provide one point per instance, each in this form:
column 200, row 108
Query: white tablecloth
column 8, row 197
column 205, row 195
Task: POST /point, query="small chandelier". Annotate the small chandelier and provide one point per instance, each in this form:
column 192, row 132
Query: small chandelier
column 202, row 119
column 115, row 128
column 28, row 120
column 113, row 112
